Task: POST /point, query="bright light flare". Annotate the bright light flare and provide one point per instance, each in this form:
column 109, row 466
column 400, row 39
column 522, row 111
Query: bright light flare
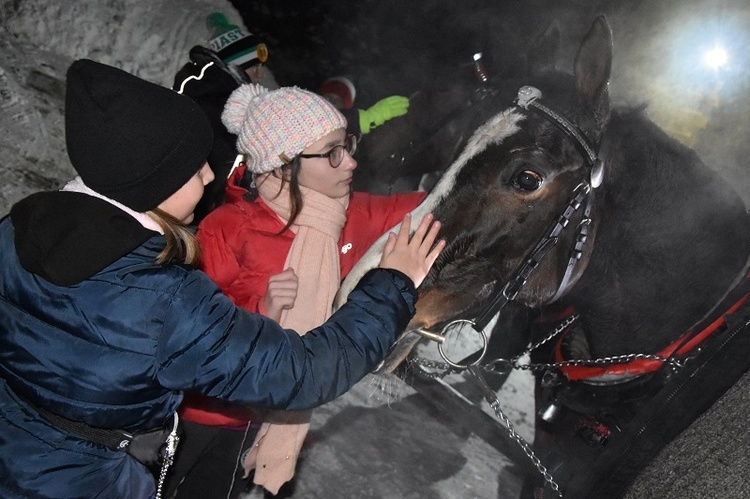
column 716, row 58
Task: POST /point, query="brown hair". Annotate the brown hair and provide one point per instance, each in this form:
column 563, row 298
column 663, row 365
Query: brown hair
column 182, row 245
column 290, row 173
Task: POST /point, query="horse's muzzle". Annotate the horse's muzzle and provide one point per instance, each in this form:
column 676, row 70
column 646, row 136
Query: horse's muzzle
column 398, row 352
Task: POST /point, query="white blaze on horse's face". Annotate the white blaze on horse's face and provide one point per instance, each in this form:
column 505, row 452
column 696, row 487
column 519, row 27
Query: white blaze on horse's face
column 493, row 132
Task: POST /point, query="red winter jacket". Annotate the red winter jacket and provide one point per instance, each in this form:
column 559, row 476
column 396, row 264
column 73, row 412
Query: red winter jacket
column 242, row 249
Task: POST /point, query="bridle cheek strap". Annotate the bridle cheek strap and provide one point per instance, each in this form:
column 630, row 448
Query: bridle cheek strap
column 581, row 195
column 528, row 99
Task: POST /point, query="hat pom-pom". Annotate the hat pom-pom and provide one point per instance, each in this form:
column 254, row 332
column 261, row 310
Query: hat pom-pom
column 239, row 104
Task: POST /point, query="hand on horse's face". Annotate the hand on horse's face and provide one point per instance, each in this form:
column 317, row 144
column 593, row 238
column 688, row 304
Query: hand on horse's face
column 413, row 256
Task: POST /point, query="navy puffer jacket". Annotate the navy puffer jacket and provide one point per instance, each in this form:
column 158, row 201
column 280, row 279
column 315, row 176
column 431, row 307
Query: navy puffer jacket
column 118, row 349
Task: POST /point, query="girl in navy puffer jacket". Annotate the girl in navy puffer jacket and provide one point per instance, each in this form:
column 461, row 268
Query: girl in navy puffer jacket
column 104, row 323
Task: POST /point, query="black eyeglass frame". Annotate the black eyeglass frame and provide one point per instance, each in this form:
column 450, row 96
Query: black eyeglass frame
column 350, row 139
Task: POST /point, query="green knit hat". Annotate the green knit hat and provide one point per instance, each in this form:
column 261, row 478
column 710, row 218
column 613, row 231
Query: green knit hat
column 233, row 45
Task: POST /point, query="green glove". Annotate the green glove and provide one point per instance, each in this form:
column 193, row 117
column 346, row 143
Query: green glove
column 382, row 111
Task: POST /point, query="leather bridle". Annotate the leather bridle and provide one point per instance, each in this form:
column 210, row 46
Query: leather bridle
column 581, row 199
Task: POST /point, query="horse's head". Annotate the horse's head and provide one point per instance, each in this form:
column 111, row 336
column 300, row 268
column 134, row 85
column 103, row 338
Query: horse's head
column 514, row 180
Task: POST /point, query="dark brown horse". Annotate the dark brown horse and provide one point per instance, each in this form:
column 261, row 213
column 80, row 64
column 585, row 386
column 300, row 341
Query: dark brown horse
column 593, row 215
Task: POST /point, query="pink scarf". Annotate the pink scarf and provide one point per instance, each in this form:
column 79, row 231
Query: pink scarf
column 315, row 259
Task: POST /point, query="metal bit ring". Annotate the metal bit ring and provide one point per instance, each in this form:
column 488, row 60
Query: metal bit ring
column 448, row 327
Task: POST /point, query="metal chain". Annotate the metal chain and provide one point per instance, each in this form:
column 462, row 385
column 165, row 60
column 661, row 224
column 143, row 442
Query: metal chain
column 494, row 404
column 501, row 365
column 169, row 452
column 603, row 361
column 559, row 329
column 162, row 477
column 509, row 364
column 513, row 434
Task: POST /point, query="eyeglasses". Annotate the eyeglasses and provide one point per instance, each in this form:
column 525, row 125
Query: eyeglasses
column 336, row 154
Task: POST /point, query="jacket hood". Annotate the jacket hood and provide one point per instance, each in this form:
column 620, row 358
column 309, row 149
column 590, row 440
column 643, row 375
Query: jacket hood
column 66, row 237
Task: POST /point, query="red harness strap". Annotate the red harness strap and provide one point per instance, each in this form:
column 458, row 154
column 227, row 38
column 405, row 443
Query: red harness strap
column 679, row 347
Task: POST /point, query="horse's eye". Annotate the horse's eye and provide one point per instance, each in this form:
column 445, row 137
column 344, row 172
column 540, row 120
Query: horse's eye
column 527, row 180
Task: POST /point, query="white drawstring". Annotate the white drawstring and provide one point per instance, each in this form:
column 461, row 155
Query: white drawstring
column 193, row 77
column 239, row 458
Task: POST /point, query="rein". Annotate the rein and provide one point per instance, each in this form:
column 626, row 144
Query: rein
column 614, row 370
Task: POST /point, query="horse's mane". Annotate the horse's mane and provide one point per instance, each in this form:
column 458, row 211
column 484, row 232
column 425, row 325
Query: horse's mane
column 658, row 200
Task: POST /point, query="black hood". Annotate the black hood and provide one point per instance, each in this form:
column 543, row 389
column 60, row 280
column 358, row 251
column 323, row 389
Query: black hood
column 66, row 237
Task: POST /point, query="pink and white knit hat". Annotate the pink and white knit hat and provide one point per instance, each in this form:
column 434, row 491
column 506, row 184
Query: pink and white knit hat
column 272, row 127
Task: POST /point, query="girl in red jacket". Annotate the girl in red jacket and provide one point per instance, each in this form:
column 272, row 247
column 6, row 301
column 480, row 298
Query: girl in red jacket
column 279, row 248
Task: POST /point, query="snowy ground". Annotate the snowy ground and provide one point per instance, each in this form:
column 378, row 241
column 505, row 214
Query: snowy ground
column 386, row 439
column 372, row 445
column 38, row 41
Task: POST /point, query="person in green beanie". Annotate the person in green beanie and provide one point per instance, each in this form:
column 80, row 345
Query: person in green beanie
column 238, row 48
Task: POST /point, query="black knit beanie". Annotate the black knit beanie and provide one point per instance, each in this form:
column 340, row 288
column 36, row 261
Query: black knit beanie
column 130, row 140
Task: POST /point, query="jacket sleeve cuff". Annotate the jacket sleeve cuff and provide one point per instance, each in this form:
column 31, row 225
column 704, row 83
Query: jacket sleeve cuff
column 402, row 282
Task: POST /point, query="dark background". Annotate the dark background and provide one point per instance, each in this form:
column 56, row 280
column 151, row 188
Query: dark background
column 393, row 46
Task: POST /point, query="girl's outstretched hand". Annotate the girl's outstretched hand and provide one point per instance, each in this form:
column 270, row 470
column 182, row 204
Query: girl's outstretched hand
column 413, row 256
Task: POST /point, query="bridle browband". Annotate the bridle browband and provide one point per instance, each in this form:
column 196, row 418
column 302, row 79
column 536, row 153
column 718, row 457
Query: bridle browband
column 528, row 97
column 582, row 196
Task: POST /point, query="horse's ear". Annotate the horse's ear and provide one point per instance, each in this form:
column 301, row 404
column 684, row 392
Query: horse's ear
column 593, row 64
column 542, row 54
